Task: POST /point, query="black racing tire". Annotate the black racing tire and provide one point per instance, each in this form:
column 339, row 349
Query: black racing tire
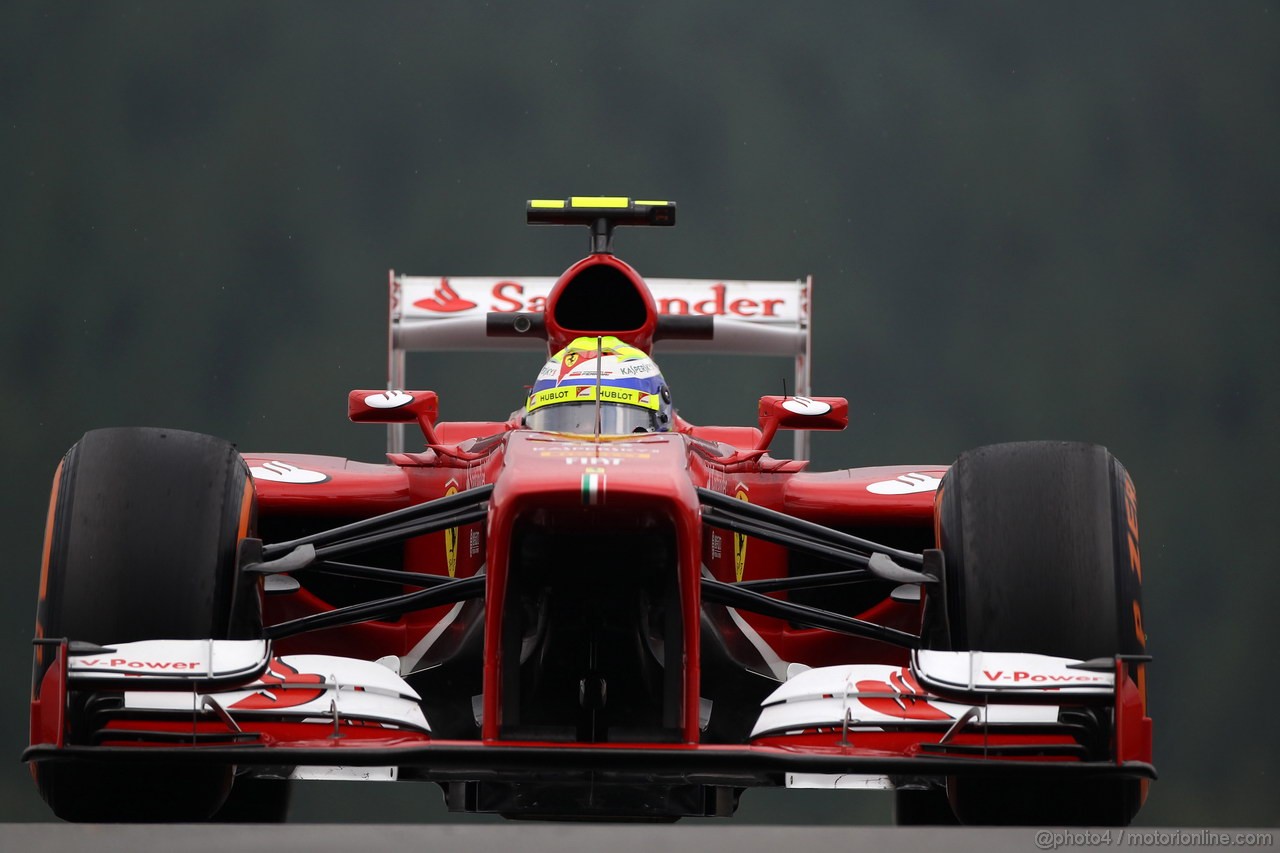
column 1039, row 541
column 144, row 534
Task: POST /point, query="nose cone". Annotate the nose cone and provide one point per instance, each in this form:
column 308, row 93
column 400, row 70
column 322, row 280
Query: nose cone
column 611, row 529
column 648, row 473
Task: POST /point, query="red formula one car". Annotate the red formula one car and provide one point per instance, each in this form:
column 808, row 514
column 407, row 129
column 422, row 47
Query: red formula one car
column 592, row 609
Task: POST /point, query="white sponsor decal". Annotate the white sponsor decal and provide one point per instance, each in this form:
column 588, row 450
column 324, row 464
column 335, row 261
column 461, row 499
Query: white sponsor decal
column 846, row 781
column 906, row 484
column 613, row 448
column 346, row 774
column 179, row 658
column 149, row 665
column 805, row 406
column 283, row 472
column 646, row 368
column 426, row 297
column 1007, row 672
column 388, row 400
column 604, row 371
column 1000, row 675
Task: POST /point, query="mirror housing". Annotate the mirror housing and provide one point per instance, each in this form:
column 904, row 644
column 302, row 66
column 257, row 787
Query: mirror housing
column 371, row 406
column 775, row 413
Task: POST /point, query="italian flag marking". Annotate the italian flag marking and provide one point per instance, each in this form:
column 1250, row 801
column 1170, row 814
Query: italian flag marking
column 592, row 489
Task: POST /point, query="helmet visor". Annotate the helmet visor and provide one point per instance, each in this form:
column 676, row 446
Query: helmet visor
column 580, row 418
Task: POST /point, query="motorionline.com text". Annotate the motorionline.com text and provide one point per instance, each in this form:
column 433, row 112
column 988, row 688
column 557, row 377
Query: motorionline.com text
column 1054, row 839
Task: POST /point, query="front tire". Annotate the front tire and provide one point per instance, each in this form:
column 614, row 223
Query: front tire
column 144, row 533
column 1040, row 546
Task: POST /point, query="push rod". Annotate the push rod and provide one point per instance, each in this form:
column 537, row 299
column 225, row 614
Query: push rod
column 730, row 595
column 742, row 509
column 387, row 520
column 383, row 608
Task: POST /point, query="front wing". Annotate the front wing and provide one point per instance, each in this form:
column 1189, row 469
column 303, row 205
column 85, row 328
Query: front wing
column 316, row 716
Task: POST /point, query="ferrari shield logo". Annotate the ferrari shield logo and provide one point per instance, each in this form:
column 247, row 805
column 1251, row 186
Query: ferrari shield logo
column 572, row 359
column 740, row 541
column 451, row 536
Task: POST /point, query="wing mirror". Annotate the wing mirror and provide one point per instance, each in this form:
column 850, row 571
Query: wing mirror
column 800, row 413
column 395, row 407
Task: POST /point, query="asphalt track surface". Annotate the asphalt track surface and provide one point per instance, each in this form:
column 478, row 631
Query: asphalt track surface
column 609, row 838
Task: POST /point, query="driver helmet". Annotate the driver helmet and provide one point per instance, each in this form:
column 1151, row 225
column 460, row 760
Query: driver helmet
column 632, row 395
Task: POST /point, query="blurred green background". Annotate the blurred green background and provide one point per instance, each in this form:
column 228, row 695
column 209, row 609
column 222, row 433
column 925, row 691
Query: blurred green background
column 1024, row 220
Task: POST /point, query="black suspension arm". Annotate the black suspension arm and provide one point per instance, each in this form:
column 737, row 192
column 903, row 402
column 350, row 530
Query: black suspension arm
column 383, row 608
column 731, row 595
column 815, row 532
column 401, row 532
column 395, row 520
column 781, row 536
column 808, row 581
column 375, row 573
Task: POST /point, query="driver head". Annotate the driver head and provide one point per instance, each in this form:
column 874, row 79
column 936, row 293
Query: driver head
column 632, row 395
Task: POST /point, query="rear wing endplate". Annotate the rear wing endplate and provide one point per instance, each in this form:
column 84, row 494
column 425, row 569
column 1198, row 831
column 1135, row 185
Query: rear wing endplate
column 448, row 314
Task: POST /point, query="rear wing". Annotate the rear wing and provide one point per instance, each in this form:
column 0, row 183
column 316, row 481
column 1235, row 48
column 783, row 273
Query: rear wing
column 444, row 314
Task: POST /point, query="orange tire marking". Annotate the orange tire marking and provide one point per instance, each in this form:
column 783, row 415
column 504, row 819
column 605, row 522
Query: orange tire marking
column 44, row 574
column 246, row 504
